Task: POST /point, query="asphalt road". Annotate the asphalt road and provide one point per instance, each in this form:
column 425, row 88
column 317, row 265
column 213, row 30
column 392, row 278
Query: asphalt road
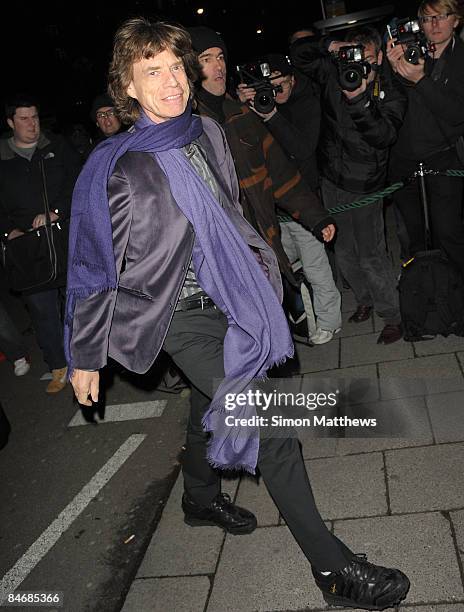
column 78, row 504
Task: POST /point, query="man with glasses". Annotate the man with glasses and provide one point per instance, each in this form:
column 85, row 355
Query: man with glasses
column 103, row 114
column 432, row 128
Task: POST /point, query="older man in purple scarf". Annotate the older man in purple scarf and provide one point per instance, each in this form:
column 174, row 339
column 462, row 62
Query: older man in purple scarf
column 160, row 257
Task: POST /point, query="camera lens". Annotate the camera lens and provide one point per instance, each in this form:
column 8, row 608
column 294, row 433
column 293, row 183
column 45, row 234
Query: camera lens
column 264, row 101
column 412, row 54
column 351, row 78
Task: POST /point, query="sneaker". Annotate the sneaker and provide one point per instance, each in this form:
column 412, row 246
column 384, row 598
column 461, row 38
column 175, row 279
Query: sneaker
column 21, row 366
column 321, row 336
column 363, row 585
column 58, row 381
column 221, row 512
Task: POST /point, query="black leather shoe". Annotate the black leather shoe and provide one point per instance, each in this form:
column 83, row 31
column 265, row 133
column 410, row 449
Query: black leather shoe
column 363, row 585
column 390, row 334
column 362, row 314
column 221, row 512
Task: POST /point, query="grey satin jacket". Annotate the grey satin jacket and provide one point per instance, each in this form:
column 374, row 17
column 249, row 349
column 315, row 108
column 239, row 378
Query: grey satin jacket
column 153, row 244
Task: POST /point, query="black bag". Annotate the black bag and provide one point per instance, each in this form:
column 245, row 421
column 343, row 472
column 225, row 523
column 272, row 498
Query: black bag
column 37, row 260
column 431, row 292
column 431, row 288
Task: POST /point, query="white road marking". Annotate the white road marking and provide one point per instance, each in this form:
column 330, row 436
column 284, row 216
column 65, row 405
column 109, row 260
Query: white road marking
column 37, row 551
column 124, row 412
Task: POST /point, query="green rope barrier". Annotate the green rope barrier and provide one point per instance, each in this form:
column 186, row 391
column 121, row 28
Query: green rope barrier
column 374, row 197
column 370, row 199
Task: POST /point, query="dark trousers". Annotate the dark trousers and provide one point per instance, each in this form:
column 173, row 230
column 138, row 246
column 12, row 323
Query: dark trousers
column 45, row 310
column 361, row 252
column 11, row 342
column 195, row 343
column 445, row 205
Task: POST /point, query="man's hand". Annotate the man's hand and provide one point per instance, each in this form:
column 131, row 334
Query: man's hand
column 394, row 53
column 245, row 93
column 411, row 72
column 15, row 233
column 41, row 219
column 357, row 92
column 336, row 45
column 328, row 232
column 85, row 383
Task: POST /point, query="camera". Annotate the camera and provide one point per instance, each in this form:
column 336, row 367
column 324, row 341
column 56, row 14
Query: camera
column 352, row 67
column 258, row 75
column 409, row 34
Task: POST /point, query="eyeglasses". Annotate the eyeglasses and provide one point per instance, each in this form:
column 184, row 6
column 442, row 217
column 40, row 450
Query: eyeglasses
column 432, row 18
column 105, row 114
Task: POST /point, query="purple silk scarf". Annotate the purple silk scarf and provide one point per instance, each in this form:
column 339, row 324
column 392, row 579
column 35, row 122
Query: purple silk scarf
column 257, row 337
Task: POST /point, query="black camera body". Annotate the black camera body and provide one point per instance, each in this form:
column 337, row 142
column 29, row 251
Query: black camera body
column 409, row 34
column 258, row 76
column 352, row 67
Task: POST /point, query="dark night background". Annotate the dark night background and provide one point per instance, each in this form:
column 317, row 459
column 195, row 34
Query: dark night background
column 60, row 51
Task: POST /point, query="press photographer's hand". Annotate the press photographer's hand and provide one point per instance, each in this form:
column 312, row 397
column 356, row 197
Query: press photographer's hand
column 245, row 93
column 336, row 45
column 357, row 92
column 328, row 232
column 411, row 72
column 394, row 53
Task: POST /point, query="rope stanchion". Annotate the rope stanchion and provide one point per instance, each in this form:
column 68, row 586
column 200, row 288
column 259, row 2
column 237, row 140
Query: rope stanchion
column 370, row 199
column 375, row 197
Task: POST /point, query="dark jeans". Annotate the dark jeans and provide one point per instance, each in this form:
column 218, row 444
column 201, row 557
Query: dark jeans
column 361, row 252
column 45, row 310
column 195, row 343
column 444, row 196
column 11, row 342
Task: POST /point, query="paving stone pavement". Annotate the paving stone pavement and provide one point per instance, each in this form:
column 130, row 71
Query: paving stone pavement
column 399, row 498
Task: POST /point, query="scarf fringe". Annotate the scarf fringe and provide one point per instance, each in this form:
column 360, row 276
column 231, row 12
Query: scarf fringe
column 236, row 467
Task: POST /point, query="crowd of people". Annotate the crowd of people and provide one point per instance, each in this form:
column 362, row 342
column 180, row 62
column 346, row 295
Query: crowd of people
column 184, row 225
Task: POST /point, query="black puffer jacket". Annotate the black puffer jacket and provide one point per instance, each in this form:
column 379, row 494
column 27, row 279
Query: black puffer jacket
column 435, row 117
column 296, row 126
column 355, row 134
column 21, row 193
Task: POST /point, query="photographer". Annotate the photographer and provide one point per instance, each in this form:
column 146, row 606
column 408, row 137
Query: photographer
column 294, row 122
column 433, row 124
column 267, row 177
column 362, row 113
column 296, row 117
